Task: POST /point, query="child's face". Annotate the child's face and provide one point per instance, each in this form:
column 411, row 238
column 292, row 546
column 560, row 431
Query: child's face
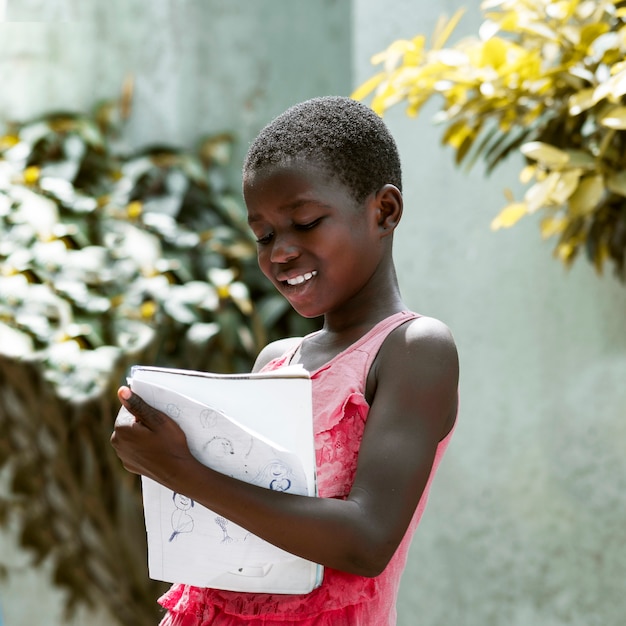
column 315, row 243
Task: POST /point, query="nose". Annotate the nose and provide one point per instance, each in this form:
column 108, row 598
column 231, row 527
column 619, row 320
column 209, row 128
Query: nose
column 284, row 249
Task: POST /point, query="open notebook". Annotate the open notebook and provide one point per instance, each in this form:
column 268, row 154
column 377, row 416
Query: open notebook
column 254, row 427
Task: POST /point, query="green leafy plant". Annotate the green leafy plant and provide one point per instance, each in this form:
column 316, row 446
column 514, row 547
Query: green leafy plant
column 547, row 78
column 109, row 257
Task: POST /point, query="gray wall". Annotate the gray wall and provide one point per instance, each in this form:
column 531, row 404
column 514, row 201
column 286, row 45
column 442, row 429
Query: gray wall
column 524, row 525
column 200, row 66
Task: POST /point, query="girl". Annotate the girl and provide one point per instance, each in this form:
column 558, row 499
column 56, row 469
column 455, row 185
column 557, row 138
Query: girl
column 322, row 185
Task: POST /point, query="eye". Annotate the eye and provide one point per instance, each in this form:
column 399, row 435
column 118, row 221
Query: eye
column 265, row 239
column 308, row 225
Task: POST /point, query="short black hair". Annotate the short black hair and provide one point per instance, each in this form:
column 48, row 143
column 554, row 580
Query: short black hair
column 344, row 137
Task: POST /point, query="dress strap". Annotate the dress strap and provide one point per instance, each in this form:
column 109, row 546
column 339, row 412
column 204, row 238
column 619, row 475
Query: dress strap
column 372, row 341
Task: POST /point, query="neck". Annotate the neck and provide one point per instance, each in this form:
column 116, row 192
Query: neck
column 379, row 299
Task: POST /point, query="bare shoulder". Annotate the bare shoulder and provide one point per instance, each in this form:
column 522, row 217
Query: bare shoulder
column 274, row 350
column 419, row 361
column 421, row 340
column 415, row 378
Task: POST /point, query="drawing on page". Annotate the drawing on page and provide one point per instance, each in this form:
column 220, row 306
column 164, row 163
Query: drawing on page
column 223, row 524
column 173, row 410
column 182, row 522
column 218, row 447
column 209, row 417
column 275, row 475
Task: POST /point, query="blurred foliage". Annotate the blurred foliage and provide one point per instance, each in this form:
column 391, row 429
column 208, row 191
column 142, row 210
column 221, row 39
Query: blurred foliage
column 110, row 258
column 548, row 78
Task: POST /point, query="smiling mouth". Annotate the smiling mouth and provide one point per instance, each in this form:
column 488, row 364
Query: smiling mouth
column 298, row 280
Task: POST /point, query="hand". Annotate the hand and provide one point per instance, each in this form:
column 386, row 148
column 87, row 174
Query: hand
column 147, row 441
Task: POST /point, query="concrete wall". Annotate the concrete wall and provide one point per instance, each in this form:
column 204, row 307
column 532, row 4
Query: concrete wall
column 200, row 66
column 525, row 520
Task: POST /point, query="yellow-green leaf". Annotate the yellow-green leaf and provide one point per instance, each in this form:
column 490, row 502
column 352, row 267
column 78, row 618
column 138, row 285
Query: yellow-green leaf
column 494, row 53
column 616, row 183
column 581, row 159
column 509, row 216
column 539, row 195
column 581, row 101
column 566, row 252
column 601, row 255
column 367, row 87
column 392, row 55
column 527, row 173
column 552, row 225
column 567, row 183
column 444, row 29
column 560, row 10
column 615, row 118
column 457, row 133
column 545, row 154
column 587, row 196
column 614, row 88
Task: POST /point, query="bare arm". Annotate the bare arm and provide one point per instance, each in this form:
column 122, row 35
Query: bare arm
column 416, row 384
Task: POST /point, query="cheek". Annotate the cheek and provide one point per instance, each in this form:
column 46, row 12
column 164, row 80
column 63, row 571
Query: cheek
column 263, row 261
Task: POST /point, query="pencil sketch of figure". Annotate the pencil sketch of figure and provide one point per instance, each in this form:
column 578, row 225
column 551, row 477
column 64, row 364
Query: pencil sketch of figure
column 173, row 410
column 182, row 522
column 219, row 447
column 276, row 475
column 208, row 417
column 223, row 523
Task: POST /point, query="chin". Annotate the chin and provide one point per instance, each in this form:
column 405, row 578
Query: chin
column 307, row 312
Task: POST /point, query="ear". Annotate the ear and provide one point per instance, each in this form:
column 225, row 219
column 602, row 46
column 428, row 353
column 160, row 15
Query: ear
column 389, row 205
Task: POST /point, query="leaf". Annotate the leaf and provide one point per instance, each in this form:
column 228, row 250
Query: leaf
column 494, row 53
column 364, row 90
column 560, row 10
column 545, row 154
column 271, row 308
column 444, row 29
column 615, row 118
column 392, row 55
column 586, row 198
column 509, row 216
column 539, row 195
column 569, row 243
column 581, row 101
column 614, row 88
column 457, row 133
column 503, row 146
column 552, row 225
column 241, row 297
column 580, row 159
column 616, row 182
column 567, row 183
column 527, row 173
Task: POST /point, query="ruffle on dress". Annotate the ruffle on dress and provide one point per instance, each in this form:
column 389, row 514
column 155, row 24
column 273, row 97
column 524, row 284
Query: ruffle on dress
column 336, row 594
column 337, row 443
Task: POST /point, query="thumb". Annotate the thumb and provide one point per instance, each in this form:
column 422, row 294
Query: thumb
column 149, row 416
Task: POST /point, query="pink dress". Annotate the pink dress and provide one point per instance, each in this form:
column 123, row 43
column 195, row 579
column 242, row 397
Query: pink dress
column 340, row 411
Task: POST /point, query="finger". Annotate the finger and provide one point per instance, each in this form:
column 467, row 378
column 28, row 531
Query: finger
column 149, row 416
column 124, row 417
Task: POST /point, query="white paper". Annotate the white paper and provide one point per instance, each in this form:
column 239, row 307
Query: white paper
column 257, row 428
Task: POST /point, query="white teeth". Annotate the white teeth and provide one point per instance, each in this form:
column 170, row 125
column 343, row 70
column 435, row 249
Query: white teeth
column 298, row 280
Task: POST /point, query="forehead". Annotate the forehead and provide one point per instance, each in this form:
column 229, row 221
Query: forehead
column 295, row 184
column 296, row 170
